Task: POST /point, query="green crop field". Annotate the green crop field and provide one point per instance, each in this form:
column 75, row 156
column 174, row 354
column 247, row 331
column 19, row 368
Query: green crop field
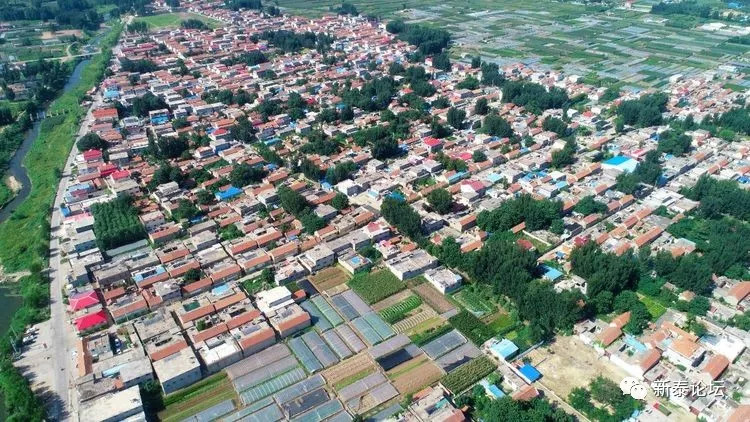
column 399, row 311
column 374, row 287
column 173, row 20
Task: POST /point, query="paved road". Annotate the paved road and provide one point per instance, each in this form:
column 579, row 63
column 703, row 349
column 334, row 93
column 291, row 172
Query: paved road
column 63, row 337
column 63, row 341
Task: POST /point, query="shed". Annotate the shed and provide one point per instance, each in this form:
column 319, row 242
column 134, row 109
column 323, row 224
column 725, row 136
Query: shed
column 529, row 373
column 229, row 193
column 504, row 349
column 551, row 273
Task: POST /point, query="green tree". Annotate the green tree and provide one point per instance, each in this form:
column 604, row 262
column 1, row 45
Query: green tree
column 185, row 210
column 476, row 62
column 204, row 197
column 588, row 205
column 91, row 141
column 494, row 125
column 456, row 117
column 191, row 275
column 243, row 174
column 293, row 202
column 340, row 201
column 480, row 107
column 440, row 200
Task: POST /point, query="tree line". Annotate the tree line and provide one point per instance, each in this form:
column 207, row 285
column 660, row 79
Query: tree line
column 428, row 40
column 291, row 42
column 538, row 214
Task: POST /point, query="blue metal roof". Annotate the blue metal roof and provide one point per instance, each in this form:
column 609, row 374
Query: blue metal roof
column 492, row 389
column 229, row 193
column 505, row 348
column 530, row 372
column 551, row 273
column 494, row 177
column 616, row 161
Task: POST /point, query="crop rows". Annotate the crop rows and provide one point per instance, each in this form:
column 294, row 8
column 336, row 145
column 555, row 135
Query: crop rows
column 399, row 311
column 467, row 374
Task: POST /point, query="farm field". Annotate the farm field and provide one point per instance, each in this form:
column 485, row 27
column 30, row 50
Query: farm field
column 401, row 310
column 417, row 378
column 423, row 314
column 329, row 278
column 632, row 46
column 467, row 374
column 349, row 371
column 654, row 308
column 434, row 298
column 391, row 300
column 429, row 332
column 197, row 397
column 173, row 20
column 40, row 41
column 499, row 322
column 376, row 286
column 473, row 300
column 407, row 366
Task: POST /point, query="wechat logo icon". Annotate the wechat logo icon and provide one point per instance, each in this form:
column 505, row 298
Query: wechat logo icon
column 632, row 386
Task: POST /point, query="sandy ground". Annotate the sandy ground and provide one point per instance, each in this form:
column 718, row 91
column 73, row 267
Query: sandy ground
column 13, row 184
column 48, row 35
column 568, row 363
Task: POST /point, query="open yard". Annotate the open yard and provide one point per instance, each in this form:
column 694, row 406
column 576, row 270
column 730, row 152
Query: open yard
column 173, row 20
column 568, row 363
column 329, row 278
column 654, row 308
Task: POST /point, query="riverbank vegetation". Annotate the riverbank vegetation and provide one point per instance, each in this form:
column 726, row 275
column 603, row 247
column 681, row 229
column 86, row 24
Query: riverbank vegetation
column 24, row 237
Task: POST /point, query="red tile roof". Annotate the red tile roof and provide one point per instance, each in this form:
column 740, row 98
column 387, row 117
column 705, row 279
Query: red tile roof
column 168, row 350
column 92, row 320
column 83, row 300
